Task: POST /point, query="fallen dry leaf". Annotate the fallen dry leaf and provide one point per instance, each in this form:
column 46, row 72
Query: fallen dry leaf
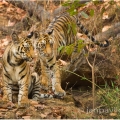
column 113, row 114
column 3, row 2
column 31, row 108
column 56, row 108
column 40, row 107
column 18, row 114
column 105, row 28
column 1, row 52
column 62, row 63
column 2, row 116
column 10, row 105
column 10, row 10
column 11, row 23
column 105, row 16
column 55, row 115
column 32, row 102
column 21, row 113
column 57, row 111
column 5, row 42
column 3, row 110
column 58, row 117
column 26, row 117
column 43, row 115
column 113, row 50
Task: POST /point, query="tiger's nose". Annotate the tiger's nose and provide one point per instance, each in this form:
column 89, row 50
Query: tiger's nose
column 30, row 59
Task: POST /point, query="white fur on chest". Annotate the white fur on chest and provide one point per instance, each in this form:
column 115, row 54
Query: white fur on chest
column 14, row 73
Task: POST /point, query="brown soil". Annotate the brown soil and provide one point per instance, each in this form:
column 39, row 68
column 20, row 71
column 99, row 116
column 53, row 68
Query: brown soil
column 75, row 105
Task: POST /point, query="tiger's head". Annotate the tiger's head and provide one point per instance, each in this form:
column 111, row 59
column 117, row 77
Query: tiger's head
column 22, row 47
column 44, row 44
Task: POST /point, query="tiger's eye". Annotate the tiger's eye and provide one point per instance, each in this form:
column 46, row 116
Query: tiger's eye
column 27, row 48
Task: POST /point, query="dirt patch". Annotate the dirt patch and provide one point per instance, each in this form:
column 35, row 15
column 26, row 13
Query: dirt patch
column 46, row 108
column 76, row 104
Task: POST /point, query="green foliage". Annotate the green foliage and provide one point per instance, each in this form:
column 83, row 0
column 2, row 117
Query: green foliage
column 110, row 99
column 81, row 45
column 72, row 11
column 72, row 6
column 91, row 12
column 96, row 2
column 73, row 27
column 117, row 77
column 66, row 3
column 66, row 49
column 69, row 49
column 112, row 2
column 60, row 49
column 84, row 15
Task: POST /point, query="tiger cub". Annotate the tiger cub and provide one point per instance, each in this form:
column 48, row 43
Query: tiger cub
column 16, row 71
column 59, row 33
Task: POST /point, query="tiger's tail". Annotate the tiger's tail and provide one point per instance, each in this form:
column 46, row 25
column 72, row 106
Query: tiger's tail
column 86, row 32
column 49, row 96
column 43, row 95
column 34, row 88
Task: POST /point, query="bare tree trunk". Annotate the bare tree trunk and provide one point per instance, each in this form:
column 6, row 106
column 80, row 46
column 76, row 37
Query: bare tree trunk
column 111, row 32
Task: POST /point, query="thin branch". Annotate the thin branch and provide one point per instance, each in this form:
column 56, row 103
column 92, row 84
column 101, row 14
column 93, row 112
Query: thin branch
column 93, row 79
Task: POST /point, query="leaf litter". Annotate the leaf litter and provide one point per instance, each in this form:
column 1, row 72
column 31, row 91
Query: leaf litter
column 44, row 109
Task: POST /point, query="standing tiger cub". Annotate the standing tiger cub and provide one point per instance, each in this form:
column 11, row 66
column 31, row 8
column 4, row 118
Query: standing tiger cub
column 59, row 33
column 50, row 74
column 16, row 71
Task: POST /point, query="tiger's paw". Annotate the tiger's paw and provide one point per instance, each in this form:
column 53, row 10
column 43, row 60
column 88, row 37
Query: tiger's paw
column 7, row 104
column 58, row 91
column 3, row 102
column 4, row 99
column 24, row 103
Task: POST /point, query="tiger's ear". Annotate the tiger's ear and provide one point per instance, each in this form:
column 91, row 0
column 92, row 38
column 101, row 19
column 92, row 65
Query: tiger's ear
column 15, row 38
column 30, row 35
column 50, row 31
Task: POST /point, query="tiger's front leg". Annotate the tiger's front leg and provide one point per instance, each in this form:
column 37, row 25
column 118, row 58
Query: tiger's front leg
column 45, row 80
column 23, row 91
column 7, row 90
column 56, row 82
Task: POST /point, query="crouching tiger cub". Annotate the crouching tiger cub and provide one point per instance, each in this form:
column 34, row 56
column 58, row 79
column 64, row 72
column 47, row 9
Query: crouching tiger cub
column 59, row 33
column 16, row 71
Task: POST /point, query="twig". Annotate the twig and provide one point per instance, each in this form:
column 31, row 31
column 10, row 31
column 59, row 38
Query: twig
column 93, row 79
